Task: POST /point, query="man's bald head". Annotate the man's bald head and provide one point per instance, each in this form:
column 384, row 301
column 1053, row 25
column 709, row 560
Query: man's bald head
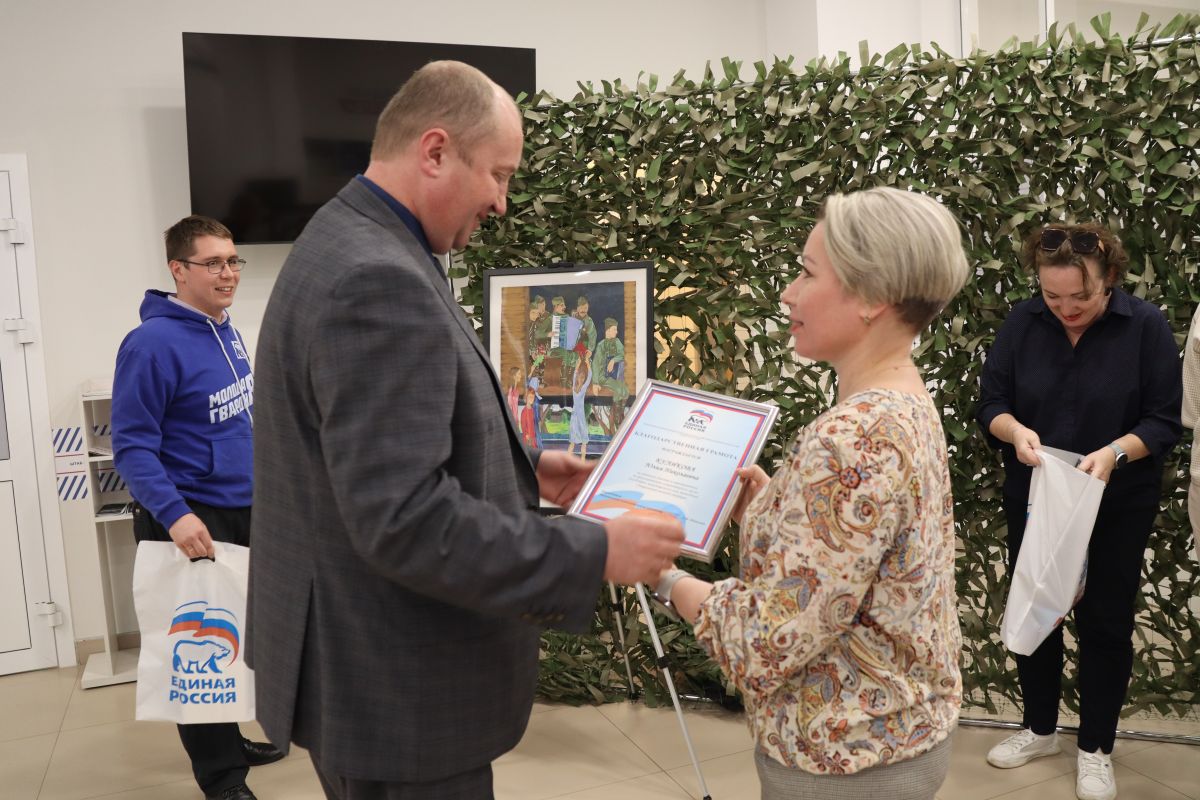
column 450, row 95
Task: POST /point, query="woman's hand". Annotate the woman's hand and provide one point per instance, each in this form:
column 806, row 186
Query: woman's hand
column 1026, row 442
column 754, row 480
column 1099, row 463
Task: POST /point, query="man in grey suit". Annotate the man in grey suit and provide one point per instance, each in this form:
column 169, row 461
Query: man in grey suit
column 400, row 572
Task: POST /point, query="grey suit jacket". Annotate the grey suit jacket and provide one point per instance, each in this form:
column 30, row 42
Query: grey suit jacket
column 398, row 577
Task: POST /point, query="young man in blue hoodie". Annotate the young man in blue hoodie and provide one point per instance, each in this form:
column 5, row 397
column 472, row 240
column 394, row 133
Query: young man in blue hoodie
column 183, row 396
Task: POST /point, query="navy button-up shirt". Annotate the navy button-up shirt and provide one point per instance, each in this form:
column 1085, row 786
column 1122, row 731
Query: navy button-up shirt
column 407, row 217
column 1122, row 376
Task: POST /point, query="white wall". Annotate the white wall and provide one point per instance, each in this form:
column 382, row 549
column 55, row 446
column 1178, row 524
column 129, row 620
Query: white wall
column 1125, row 13
column 791, row 31
column 841, row 25
column 1000, row 20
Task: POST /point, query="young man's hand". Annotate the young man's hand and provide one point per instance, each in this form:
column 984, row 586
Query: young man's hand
column 191, row 536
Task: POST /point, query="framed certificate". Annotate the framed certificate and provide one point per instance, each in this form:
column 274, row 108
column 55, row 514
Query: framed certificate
column 677, row 454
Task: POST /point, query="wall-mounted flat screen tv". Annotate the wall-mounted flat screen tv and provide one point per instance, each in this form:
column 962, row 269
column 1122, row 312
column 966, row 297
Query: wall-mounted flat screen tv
column 276, row 125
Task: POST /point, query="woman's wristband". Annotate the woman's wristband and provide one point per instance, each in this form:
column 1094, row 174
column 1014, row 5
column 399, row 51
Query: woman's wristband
column 663, row 590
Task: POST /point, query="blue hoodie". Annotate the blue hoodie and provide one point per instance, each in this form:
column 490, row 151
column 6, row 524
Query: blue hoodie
column 182, row 398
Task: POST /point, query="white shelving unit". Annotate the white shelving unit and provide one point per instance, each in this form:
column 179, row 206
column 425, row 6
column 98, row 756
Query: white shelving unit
column 113, row 665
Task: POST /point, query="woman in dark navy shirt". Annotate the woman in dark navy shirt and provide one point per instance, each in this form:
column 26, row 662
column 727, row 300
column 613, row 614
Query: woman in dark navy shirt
column 1088, row 368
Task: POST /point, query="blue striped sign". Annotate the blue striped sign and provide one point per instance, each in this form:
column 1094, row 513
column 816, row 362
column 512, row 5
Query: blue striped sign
column 107, row 480
column 72, row 487
column 68, row 441
column 70, row 463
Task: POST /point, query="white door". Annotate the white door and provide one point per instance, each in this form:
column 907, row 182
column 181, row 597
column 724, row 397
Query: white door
column 26, row 641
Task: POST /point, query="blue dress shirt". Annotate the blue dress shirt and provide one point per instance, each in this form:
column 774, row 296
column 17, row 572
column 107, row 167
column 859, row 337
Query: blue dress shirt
column 407, row 217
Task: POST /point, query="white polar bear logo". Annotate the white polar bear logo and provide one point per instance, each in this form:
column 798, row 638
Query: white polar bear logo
column 192, row 657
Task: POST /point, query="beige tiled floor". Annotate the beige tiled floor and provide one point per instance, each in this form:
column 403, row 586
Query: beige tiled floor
column 59, row 742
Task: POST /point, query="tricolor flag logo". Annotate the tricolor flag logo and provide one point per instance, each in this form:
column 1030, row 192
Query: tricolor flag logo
column 205, row 622
column 698, row 420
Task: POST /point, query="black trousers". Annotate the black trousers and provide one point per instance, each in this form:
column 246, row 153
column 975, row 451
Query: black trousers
column 1103, row 624
column 215, row 749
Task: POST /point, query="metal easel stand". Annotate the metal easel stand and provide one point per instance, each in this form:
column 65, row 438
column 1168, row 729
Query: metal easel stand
column 615, row 605
column 1146, row 736
column 662, row 664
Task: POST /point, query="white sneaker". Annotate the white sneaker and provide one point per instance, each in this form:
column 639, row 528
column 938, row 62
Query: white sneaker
column 1095, row 780
column 1021, row 748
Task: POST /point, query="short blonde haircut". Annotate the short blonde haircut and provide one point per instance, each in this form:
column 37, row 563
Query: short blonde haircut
column 442, row 94
column 896, row 247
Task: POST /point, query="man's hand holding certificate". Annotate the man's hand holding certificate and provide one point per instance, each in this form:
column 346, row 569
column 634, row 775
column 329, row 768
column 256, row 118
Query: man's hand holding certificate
column 639, row 549
column 678, row 456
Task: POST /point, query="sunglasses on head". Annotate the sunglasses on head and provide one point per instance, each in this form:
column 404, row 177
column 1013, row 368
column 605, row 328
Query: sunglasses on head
column 1082, row 242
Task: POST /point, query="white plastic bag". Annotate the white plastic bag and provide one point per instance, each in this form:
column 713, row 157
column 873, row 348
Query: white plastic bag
column 192, row 617
column 1051, row 568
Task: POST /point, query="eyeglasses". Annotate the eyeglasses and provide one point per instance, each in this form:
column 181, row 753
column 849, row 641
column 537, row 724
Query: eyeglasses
column 1082, row 242
column 217, row 265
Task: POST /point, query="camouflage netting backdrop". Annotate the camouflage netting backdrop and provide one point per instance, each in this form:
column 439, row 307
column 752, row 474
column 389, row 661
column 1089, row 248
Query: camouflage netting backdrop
column 717, row 182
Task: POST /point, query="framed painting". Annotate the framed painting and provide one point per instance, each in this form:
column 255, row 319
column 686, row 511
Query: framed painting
column 573, row 344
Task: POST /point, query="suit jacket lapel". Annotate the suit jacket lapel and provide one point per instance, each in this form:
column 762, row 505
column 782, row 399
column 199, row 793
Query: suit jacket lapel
column 463, row 322
column 365, row 202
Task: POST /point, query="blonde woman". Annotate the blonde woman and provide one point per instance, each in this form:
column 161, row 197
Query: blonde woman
column 842, row 629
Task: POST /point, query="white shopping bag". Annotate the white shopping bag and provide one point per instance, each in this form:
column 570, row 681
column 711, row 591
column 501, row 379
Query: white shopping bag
column 192, row 618
column 1051, row 568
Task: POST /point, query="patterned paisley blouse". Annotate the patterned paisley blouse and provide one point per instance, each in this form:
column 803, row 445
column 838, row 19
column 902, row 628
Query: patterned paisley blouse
column 842, row 632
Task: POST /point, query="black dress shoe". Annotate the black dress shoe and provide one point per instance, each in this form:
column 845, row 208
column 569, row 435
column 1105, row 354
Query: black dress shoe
column 259, row 753
column 239, row 792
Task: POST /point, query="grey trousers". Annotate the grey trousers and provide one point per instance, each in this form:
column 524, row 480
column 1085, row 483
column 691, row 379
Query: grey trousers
column 914, row 779
column 473, row 785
